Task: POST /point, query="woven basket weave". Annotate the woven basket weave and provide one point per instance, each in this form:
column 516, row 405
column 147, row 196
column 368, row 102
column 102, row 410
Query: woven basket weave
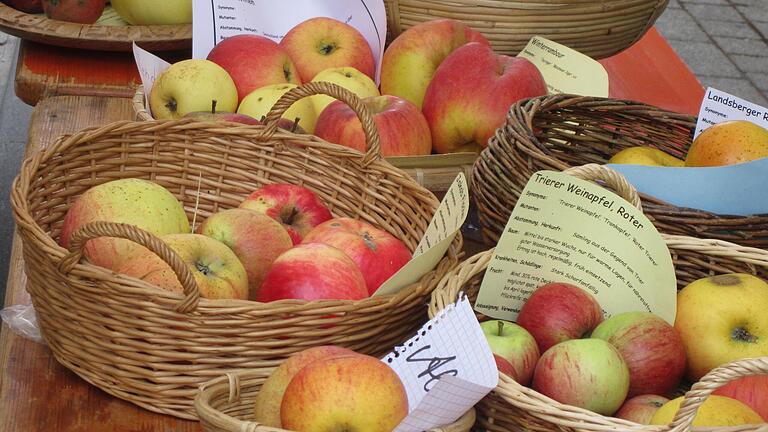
column 596, row 28
column 154, row 348
column 511, row 406
column 226, row 404
column 560, row 131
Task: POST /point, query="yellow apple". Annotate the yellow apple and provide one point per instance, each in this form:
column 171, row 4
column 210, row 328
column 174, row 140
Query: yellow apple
column 728, row 143
column 722, row 318
column 643, row 155
column 349, row 78
column 715, row 411
column 150, row 12
column 260, row 101
column 192, row 85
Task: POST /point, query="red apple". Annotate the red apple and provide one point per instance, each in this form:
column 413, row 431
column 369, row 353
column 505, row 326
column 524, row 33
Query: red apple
column 514, row 344
column 465, row 105
column 28, row 6
column 313, row 271
column 412, row 58
column 355, row 393
column 377, row 253
column 256, row 239
column 77, row 11
column 504, row 366
column 557, row 312
column 640, row 409
column 752, row 390
column 322, row 43
column 296, row 207
column 402, row 128
column 652, row 348
column 253, row 62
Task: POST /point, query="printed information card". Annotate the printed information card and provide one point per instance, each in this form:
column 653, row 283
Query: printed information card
column 719, row 106
column 565, row 229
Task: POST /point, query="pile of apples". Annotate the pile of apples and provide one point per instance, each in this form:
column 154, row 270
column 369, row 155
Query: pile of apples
column 134, row 12
column 281, row 243
column 628, row 365
column 443, row 89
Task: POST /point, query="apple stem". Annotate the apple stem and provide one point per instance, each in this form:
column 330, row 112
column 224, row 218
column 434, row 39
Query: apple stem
column 501, row 327
column 213, row 106
column 295, row 124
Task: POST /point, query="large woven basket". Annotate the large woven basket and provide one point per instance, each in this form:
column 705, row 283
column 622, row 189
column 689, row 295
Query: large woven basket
column 511, row 406
column 560, row 131
column 226, row 404
column 154, row 348
column 596, row 28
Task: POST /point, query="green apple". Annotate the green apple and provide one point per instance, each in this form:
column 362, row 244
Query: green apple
column 259, row 102
column 348, row 77
column 150, row 12
column 192, row 85
column 513, row 344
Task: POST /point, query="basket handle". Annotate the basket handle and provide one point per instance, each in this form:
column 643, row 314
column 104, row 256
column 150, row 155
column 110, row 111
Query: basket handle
column 611, row 179
column 373, row 145
column 98, row 229
column 715, row 379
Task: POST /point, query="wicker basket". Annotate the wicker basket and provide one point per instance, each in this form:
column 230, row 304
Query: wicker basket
column 226, row 404
column 154, row 348
column 560, row 131
column 511, row 406
column 596, row 28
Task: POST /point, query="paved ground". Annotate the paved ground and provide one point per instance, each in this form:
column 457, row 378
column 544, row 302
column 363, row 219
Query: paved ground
column 724, row 42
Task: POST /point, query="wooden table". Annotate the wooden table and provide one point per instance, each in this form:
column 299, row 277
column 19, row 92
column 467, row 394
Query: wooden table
column 36, row 393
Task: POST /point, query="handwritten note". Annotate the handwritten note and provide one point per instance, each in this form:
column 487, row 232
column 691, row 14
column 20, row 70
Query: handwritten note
column 566, row 70
column 447, row 367
column 150, row 67
column 445, row 224
column 719, row 106
column 216, row 20
column 565, row 229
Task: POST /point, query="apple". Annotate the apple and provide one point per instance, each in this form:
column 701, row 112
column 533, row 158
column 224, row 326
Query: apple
column 467, row 104
column 296, row 207
column 377, row 253
column 223, row 116
column 28, row 6
column 651, row 347
column 752, row 390
column 587, row 373
column 403, row 130
column 557, row 312
column 151, row 12
column 217, row 270
column 504, row 366
column 640, row 409
column 259, row 102
column 253, row 62
column 138, row 202
column 313, row 271
column 715, row 411
column 514, row 344
column 412, row 58
column 192, row 85
column 645, row 155
column 728, row 143
column 270, row 396
column 739, row 302
column 349, row 78
column 77, row 11
column 355, row 393
column 256, row 239
column 321, row 43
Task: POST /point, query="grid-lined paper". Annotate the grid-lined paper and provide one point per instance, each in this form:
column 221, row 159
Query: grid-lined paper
column 446, row 368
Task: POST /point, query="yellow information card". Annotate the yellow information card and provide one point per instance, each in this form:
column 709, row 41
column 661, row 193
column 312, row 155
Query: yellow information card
column 565, row 229
column 566, row 70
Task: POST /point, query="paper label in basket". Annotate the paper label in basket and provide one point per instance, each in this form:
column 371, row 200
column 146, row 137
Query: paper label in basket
column 150, row 67
column 719, row 106
column 216, row 20
column 566, row 70
column 448, row 219
column 446, row 368
column 565, row 229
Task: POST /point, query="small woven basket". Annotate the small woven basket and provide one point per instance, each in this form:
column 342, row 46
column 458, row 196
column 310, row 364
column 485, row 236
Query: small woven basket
column 560, row 131
column 154, row 348
column 227, row 403
column 596, row 28
column 511, row 406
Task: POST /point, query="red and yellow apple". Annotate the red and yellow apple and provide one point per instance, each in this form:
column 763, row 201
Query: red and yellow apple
column 465, row 105
column 504, row 366
column 141, row 203
column 412, row 58
column 259, row 103
column 192, row 85
column 715, row 411
column 349, row 78
column 403, row 130
column 321, row 43
column 294, row 206
column 513, row 344
column 640, row 409
column 217, row 270
column 728, row 143
column 77, row 11
column 752, row 390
